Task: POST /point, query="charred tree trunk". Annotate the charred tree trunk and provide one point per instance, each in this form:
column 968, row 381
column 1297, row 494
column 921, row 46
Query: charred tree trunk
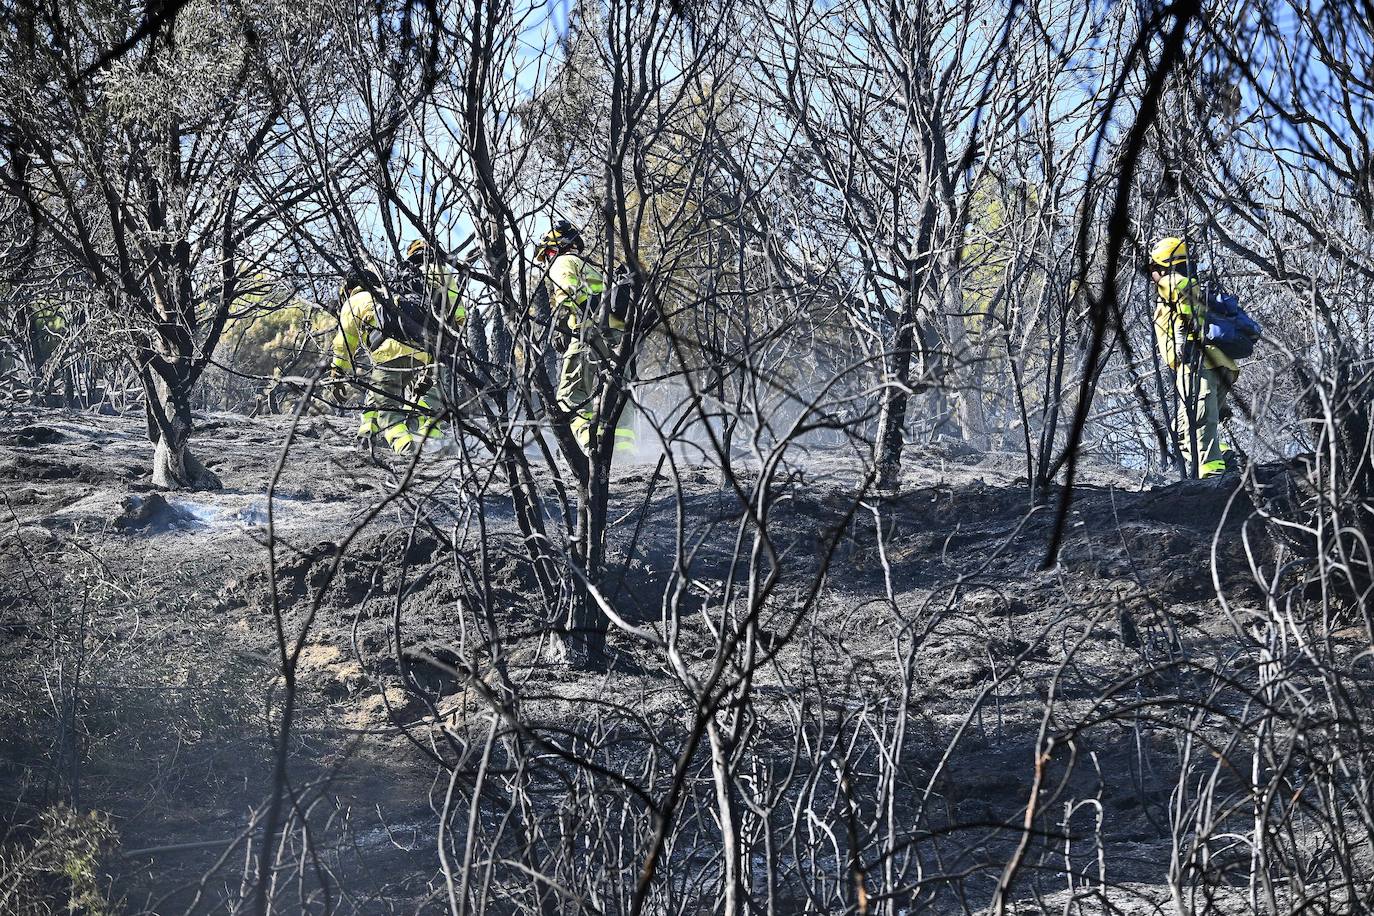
column 964, row 369
column 586, row 640
column 896, row 394
column 584, row 643
column 916, row 268
column 1334, row 488
column 897, row 391
column 167, row 405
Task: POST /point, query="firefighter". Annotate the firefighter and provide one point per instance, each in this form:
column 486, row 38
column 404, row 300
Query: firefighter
column 399, row 374
column 594, row 334
column 1203, row 374
column 426, row 280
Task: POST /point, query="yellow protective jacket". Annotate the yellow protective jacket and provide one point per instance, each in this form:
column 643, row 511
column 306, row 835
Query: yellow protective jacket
column 440, row 279
column 1179, row 316
column 357, row 321
column 574, row 281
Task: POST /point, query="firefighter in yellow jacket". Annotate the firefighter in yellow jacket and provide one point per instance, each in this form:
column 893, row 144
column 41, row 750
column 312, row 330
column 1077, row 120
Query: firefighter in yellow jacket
column 1203, row 375
column 400, row 373
column 575, row 299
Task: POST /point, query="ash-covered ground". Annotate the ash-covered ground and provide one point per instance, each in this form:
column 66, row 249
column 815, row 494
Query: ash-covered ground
column 142, row 674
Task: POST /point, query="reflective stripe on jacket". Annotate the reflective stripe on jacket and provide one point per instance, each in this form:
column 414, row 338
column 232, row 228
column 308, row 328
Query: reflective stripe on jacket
column 575, row 281
column 443, row 282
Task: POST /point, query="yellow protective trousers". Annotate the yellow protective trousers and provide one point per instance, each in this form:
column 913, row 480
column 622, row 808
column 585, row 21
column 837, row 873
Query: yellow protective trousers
column 1202, row 407
column 395, row 405
column 591, row 353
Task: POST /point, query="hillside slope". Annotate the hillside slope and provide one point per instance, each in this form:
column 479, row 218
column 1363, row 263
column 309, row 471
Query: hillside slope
column 912, row 682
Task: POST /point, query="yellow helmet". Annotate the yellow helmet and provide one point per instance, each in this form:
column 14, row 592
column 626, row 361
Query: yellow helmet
column 563, row 236
column 415, row 248
column 1169, row 251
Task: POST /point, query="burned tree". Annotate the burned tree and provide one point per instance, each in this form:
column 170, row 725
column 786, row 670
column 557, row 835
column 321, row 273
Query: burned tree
column 151, row 173
column 892, row 106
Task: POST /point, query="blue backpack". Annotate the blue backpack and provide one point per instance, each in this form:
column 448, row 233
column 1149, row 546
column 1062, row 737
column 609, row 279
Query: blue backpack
column 1229, row 327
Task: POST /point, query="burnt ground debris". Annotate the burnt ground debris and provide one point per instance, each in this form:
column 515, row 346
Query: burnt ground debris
column 160, row 606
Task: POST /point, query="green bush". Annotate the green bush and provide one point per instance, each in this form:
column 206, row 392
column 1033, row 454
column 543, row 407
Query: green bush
column 262, row 344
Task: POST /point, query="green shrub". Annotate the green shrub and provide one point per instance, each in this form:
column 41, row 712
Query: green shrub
column 54, row 866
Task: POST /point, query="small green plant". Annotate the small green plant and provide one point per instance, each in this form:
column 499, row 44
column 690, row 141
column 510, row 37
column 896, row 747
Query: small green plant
column 54, row 866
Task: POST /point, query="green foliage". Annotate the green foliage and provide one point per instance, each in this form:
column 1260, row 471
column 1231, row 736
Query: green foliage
column 56, row 868
column 264, row 342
